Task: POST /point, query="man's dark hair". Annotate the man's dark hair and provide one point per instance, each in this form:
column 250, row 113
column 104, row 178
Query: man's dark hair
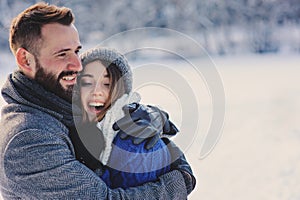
column 25, row 30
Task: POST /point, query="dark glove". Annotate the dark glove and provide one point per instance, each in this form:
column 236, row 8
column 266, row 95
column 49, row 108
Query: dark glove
column 142, row 123
column 180, row 163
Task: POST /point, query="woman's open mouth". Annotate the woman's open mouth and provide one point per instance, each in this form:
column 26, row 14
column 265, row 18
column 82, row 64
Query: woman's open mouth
column 96, row 106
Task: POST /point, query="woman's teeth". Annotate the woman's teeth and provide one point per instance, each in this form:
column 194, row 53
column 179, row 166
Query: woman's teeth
column 97, row 106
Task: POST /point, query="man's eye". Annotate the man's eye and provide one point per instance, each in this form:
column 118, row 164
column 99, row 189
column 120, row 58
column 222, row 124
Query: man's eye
column 77, row 51
column 62, row 55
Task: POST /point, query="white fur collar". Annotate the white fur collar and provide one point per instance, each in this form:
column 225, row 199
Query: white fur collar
column 114, row 114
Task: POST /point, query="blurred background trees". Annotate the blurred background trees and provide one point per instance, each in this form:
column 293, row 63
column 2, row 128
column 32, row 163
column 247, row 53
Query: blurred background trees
column 221, row 27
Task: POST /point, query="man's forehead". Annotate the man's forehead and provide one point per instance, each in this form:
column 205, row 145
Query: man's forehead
column 57, row 37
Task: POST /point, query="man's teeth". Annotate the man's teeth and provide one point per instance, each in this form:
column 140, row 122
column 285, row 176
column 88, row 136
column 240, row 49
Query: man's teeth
column 68, row 78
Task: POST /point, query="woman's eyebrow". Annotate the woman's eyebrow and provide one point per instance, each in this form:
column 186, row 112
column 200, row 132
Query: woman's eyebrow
column 87, row 75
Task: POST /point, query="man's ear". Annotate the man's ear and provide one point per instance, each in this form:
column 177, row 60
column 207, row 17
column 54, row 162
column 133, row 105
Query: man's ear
column 26, row 62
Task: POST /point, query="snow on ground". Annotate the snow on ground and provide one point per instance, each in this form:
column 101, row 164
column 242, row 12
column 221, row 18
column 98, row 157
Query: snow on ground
column 258, row 154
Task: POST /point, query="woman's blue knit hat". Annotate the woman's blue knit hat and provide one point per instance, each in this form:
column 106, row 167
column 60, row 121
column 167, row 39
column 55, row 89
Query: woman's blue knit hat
column 110, row 55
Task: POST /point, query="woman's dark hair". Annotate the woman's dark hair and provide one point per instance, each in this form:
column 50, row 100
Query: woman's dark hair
column 116, row 86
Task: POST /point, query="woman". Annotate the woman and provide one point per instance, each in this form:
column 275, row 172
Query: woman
column 105, row 87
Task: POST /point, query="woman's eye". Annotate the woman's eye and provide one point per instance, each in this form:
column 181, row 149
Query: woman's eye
column 85, row 84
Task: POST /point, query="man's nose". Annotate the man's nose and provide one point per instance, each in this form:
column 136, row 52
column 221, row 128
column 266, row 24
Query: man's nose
column 74, row 63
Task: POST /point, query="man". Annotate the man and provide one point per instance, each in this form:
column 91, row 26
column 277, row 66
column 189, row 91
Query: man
column 37, row 156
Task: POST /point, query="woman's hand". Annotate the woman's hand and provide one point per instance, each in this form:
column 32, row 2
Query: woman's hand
column 144, row 122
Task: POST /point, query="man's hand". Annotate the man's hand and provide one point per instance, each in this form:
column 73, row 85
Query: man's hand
column 180, row 163
column 143, row 122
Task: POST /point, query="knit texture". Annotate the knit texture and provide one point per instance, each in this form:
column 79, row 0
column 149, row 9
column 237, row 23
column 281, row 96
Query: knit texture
column 127, row 164
column 114, row 113
column 37, row 158
column 111, row 56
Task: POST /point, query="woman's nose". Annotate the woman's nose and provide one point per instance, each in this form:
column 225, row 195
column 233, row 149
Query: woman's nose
column 98, row 91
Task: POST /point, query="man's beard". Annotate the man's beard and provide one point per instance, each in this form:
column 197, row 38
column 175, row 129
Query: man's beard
column 51, row 83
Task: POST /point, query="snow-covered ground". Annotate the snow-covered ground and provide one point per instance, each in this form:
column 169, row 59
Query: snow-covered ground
column 258, row 154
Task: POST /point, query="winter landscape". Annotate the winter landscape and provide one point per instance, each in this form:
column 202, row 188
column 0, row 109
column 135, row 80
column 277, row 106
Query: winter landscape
column 244, row 74
column 258, row 154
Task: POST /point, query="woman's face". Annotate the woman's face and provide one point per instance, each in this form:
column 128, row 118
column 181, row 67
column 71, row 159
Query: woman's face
column 94, row 89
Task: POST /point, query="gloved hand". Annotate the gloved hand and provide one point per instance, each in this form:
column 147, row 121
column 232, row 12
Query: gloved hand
column 144, row 123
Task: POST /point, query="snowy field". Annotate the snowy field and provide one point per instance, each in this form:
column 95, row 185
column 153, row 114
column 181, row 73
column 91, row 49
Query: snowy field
column 258, row 154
